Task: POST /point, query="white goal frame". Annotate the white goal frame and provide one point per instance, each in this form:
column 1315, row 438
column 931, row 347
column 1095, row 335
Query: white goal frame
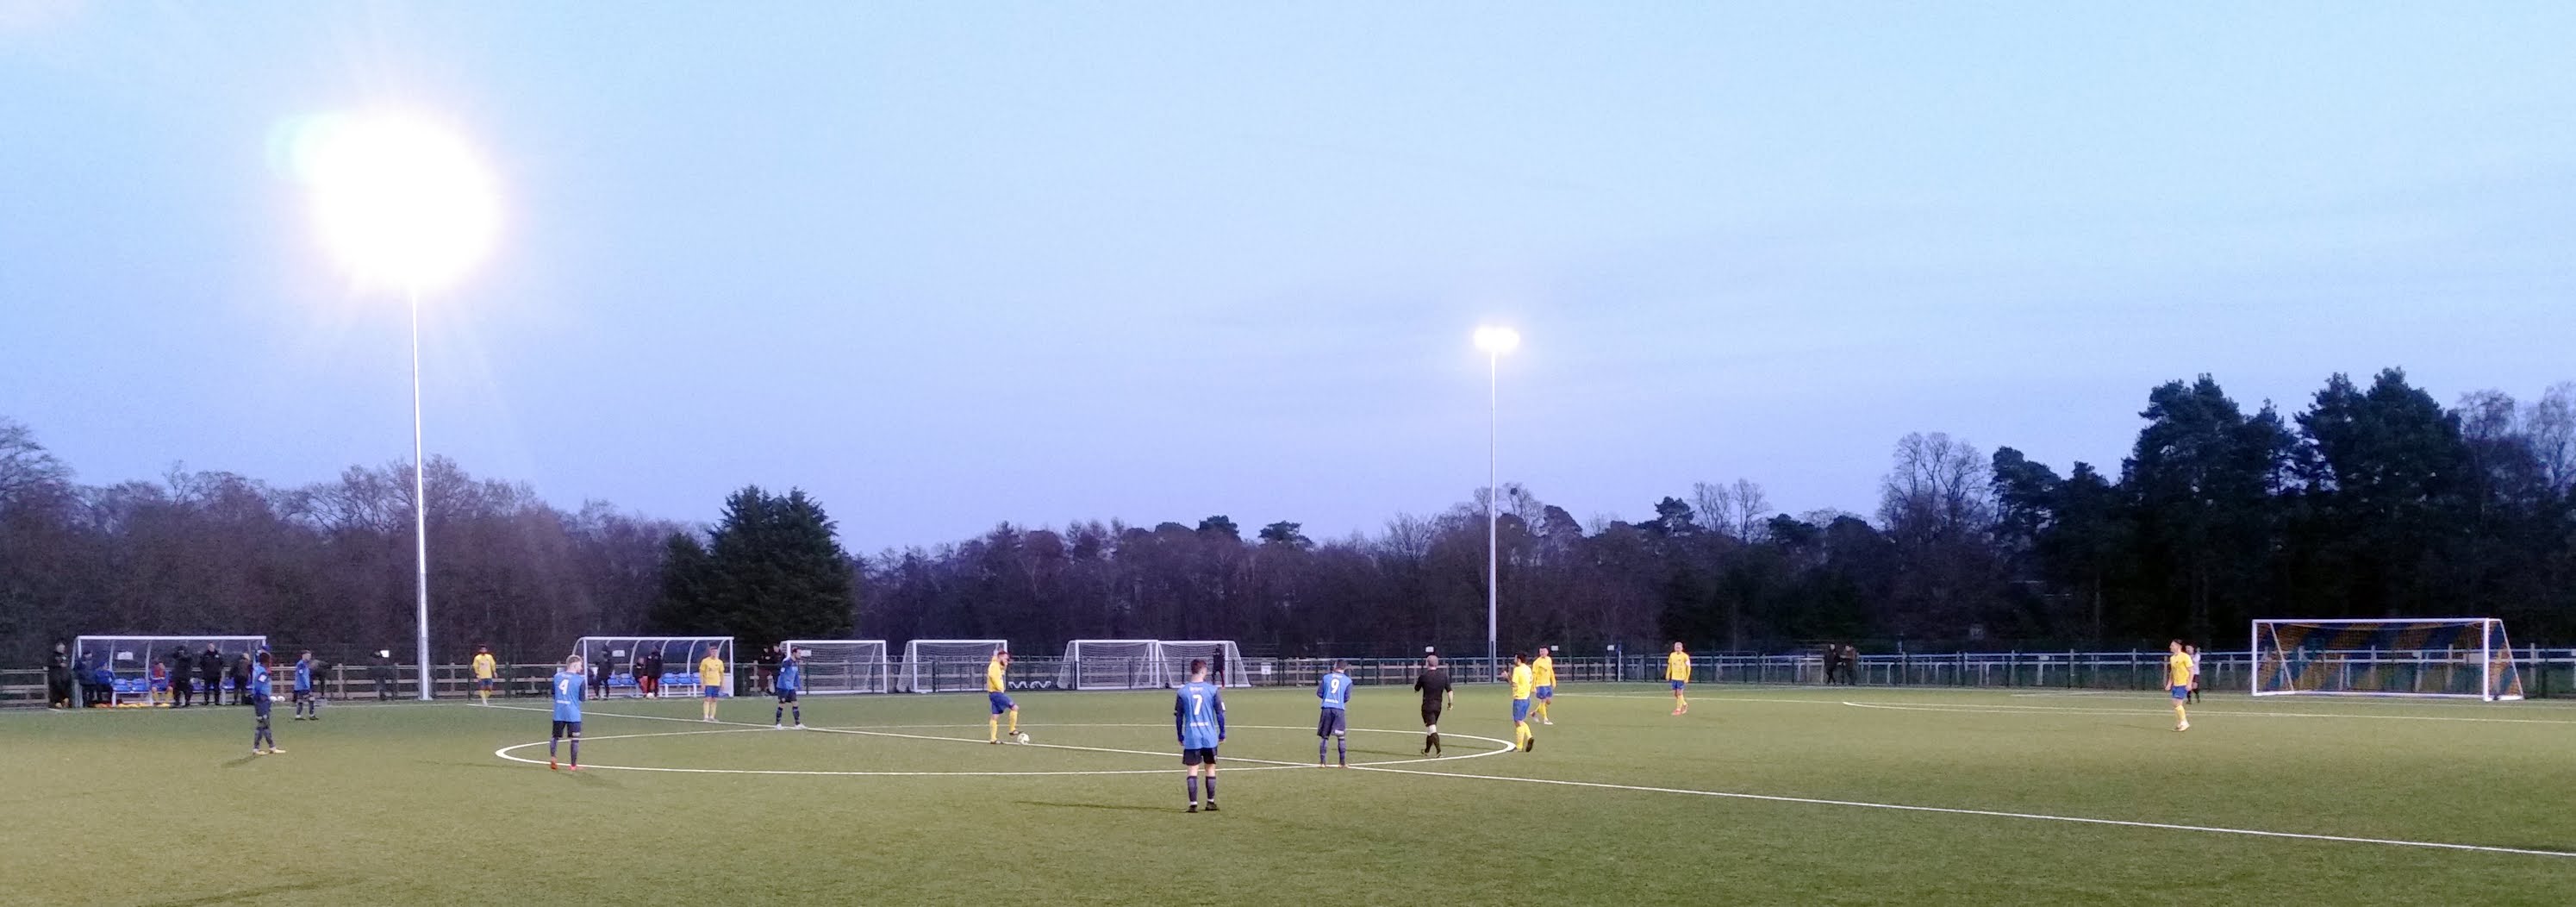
column 2275, row 674
column 1225, row 660
column 859, row 675
column 968, row 680
column 1142, row 670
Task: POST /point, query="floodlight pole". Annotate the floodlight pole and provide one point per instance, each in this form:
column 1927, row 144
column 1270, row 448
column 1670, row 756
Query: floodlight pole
column 1493, row 428
column 419, row 499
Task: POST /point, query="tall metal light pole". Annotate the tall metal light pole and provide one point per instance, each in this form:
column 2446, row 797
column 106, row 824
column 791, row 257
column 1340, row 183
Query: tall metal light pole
column 419, row 503
column 403, row 203
column 1495, row 341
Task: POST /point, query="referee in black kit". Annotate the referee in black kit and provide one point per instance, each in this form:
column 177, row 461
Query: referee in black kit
column 1433, row 684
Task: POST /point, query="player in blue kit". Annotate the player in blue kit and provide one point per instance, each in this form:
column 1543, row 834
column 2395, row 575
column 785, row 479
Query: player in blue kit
column 306, row 702
column 571, row 687
column 258, row 689
column 1334, row 724
column 1198, row 718
column 791, row 679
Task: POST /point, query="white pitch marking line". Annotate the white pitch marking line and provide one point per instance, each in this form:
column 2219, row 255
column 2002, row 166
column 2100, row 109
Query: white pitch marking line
column 2001, row 709
column 740, row 727
column 2081, row 820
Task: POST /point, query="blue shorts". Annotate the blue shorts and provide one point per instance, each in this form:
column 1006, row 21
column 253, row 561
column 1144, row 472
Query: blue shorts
column 1520, row 710
column 786, row 696
column 2181, row 693
column 302, row 695
column 713, row 691
column 483, row 683
column 1678, row 684
column 1333, row 721
column 1547, row 692
column 1206, row 756
column 567, row 728
column 1002, row 702
column 259, row 707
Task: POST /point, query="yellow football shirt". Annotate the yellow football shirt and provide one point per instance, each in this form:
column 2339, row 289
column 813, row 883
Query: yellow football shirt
column 993, row 676
column 1677, row 667
column 1546, row 671
column 2178, row 666
column 1522, row 680
column 711, row 671
column 483, row 667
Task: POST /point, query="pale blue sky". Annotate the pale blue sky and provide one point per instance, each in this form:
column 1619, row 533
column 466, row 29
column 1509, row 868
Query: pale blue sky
column 951, row 264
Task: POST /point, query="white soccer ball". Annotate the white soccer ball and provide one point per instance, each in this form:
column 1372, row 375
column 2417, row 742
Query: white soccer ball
column 1024, row 737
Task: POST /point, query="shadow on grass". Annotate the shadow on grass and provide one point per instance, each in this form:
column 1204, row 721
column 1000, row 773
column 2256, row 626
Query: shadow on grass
column 246, row 895
column 1117, row 806
column 239, row 761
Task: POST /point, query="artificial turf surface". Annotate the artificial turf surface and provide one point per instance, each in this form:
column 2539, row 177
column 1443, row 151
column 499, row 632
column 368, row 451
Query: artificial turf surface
column 408, row 803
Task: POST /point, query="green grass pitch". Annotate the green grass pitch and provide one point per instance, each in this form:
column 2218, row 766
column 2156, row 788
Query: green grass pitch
column 408, row 803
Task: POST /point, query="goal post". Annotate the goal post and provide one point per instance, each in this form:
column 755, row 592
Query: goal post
column 946, row 665
column 843, row 665
column 1225, row 662
column 1111, row 664
column 2445, row 657
column 626, row 657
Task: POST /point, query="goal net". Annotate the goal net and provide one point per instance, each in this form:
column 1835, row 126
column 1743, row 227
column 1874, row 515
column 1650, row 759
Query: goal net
column 131, row 658
column 844, row 665
column 630, row 659
column 1110, row 664
column 946, row 665
column 1225, row 664
column 2460, row 657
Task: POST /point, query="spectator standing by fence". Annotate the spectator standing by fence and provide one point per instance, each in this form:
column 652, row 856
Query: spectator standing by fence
column 58, row 678
column 382, row 672
column 183, row 666
column 210, row 671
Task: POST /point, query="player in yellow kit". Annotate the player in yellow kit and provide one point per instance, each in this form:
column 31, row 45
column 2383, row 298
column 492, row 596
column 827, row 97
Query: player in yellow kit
column 485, row 669
column 711, row 671
column 1677, row 670
column 1523, row 681
column 994, row 693
column 1545, row 669
column 2178, row 678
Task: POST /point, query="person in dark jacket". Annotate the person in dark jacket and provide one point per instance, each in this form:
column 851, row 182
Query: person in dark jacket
column 210, row 669
column 58, row 678
column 241, row 680
column 183, row 667
column 382, row 672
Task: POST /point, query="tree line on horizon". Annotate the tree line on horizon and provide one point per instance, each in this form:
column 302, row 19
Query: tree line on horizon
column 2372, row 501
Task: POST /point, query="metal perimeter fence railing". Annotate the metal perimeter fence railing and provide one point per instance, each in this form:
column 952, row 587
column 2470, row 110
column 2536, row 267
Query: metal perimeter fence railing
column 2545, row 671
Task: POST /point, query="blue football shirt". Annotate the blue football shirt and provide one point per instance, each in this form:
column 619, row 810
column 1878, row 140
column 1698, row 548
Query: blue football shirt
column 1198, row 714
column 791, row 676
column 303, row 676
column 259, row 679
column 569, row 690
column 1335, row 691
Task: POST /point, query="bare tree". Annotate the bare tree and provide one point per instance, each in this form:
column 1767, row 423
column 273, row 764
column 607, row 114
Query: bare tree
column 27, row 469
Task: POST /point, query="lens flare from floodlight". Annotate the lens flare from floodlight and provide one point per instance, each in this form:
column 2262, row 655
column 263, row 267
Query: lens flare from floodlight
column 1497, row 340
column 399, row 200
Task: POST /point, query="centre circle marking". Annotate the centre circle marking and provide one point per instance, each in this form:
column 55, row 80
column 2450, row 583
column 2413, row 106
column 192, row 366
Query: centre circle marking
column 507, row 753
